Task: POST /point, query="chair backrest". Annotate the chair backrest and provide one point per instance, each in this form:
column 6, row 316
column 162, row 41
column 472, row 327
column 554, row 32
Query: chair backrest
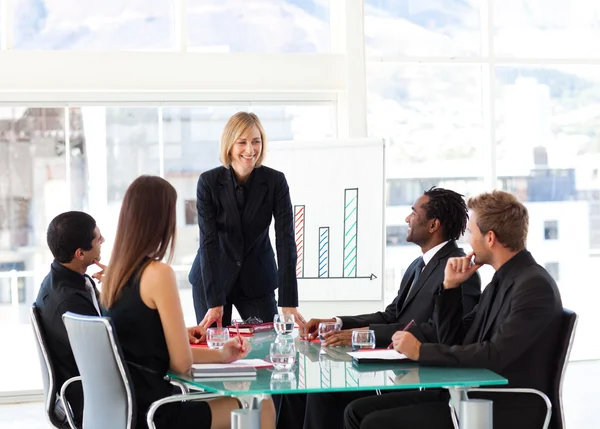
column 107, row 393
column 565, row 343
column 48, row 374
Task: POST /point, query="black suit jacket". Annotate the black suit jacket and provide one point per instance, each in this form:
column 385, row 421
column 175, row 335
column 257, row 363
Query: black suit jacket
column 237, row 252
column 419, row 304
column 64, row 290
column 513, row 334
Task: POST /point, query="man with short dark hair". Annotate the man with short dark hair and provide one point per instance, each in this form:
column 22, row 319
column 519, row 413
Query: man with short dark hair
column 75, row 241
column 513, row 331
column 437, row 219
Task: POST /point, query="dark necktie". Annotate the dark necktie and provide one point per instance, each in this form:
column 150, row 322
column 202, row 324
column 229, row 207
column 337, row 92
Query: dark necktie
column 239, row 196
column 408, row 288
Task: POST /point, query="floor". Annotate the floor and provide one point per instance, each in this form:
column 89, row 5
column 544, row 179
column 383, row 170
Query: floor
column 581, row 396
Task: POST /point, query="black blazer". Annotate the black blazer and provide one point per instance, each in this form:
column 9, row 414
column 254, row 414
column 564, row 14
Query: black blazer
column 237, row 252
column 419, row 303
column 64, row 290
column 513, row 334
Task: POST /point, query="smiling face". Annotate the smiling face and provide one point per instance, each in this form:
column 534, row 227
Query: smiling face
column 418, row 229
column 246, row 150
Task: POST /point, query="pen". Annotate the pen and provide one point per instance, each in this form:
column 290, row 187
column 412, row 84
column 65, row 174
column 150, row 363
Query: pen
column 408, row 325
column 237, row 328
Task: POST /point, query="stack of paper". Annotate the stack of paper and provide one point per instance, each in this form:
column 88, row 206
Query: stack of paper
column 375, row 356
column 240, row 368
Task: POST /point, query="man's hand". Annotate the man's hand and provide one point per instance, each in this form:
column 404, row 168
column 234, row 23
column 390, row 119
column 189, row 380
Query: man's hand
column 196, row 334
column 232, row 350
column 297, row 316
column 404, row 342
column 338, row 338
column 458, row 270
column 100, row 274
column 310, row 330
column 213, row 315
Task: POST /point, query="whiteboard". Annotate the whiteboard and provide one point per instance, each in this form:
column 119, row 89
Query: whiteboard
column 337, row 192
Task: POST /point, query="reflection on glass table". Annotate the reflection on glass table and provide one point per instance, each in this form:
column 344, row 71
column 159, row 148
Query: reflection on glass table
column 330, row 369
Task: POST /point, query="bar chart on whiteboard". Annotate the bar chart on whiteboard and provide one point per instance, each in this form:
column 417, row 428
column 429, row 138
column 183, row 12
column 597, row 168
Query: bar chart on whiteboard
column 337, row 193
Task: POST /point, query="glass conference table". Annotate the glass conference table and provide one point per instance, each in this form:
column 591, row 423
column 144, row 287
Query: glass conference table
column 330, row 369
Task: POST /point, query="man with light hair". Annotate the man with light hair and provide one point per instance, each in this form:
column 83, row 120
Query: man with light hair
column 513, row 331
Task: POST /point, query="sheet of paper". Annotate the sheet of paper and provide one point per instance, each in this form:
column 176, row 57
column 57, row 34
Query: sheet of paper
column 378, row 354
column 242, row 363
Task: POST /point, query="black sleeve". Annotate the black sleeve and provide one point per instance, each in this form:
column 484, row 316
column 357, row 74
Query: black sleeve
column 533, row 308
column 209, row 243
column 285, row 243
column 471, row 292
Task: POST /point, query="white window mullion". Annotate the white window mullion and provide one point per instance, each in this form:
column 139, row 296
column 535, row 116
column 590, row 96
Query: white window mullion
column 348, row 38
column 67, row 132
column 488, row 93
column 6, row 25
column 161, row 144
column 181, row 36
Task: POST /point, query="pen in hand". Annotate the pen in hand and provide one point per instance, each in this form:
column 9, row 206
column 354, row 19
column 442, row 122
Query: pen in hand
column 408, row 325
column 237, row 328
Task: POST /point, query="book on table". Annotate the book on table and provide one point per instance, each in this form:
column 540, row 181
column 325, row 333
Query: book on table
column 251, row 328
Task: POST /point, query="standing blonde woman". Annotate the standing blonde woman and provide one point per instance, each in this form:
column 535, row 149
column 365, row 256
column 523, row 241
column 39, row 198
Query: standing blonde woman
column 141, row 297
column 235, row 264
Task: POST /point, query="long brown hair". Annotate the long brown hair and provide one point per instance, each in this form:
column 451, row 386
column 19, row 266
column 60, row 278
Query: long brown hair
column 146, row 229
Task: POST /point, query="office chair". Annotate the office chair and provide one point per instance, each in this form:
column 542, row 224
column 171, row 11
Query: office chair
column 51, row 390
column 561, row 359
column 109, row 400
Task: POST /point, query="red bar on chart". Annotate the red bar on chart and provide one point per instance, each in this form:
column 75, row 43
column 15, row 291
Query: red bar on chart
column 299, row 228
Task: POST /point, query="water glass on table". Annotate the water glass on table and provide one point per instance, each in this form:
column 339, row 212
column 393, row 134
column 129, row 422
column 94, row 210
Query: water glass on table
column 283, row 354
column 325, row 327
column 216, row 337
column 283, row 380
column 283, row 324
column 363, row 339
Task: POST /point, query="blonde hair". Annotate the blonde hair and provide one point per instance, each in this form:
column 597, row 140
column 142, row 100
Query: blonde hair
column 502, row 213
column 237, row 125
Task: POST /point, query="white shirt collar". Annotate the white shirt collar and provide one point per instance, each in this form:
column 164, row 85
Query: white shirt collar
column 428, row 256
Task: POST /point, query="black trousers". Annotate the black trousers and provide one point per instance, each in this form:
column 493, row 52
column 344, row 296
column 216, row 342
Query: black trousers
column 326, row 410
column 263, row 307
column 429, row 409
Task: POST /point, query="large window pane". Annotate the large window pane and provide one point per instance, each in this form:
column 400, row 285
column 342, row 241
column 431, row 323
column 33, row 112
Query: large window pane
column 132, row 147
column 547, row 28
column 431, row 119
column 422, row 28
column 33, row 189
column 548, row 155
column 42, row 173
column 266, row 26
column 93, row 25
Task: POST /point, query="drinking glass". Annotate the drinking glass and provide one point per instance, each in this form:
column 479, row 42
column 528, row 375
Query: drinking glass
column 283, row 354
column 283, row 324
column 283, row 380
column 363, row 340
column 216, row 337
column 325, row 327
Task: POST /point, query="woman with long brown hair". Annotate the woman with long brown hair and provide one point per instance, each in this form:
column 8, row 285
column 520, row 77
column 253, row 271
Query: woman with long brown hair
column 140, row 295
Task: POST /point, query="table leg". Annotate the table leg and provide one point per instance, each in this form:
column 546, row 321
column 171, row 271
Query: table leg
column 248, row 417
column 469, row 413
